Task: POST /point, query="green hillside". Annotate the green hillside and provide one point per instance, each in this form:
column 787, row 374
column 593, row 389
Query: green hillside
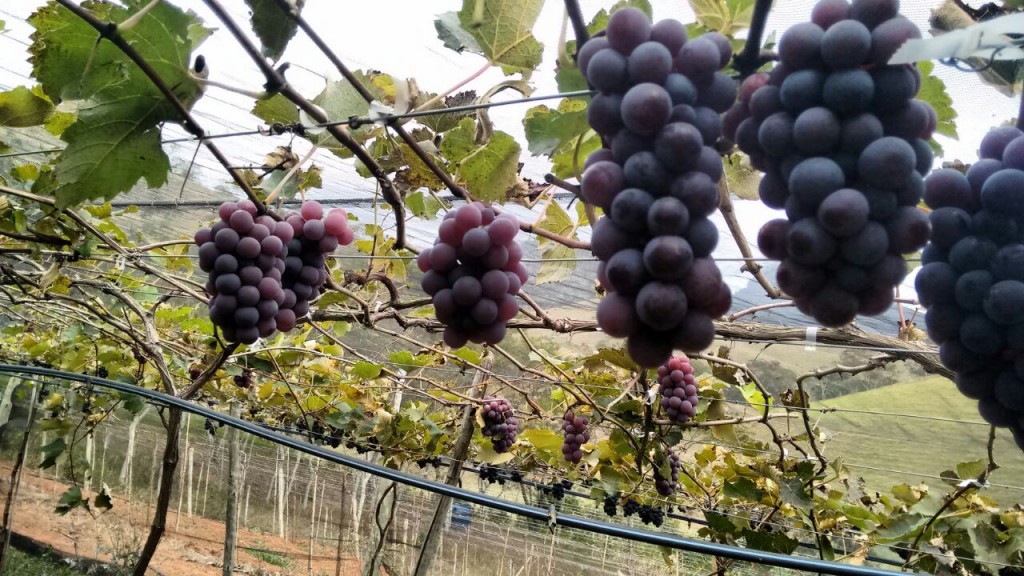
column 916, row 445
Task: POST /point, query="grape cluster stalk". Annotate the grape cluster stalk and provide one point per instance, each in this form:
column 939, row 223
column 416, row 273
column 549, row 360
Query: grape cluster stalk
column 972, row 277
column 659, row 98
column 500, row 424
column 262, row 272
column 678, row 389
column 843, row 146
column 472, row 274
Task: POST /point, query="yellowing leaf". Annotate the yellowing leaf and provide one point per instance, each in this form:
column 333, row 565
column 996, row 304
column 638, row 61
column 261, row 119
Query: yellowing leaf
column 558, row 259
column 21, row 107
column 725, row 16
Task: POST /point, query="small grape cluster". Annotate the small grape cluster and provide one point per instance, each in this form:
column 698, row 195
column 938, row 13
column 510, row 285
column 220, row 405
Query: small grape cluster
column 492, row 474
column 630, row 507
column 574, row 428
column 650, row 515
column 611, row 504
column 843, row 146
column 243, row 380
column 668, row 486
column 500, row 424
column 660, row 96
column 678, row 388
column 556, row 489
column 972, row 277
column 264, row 272
column 210, row 427
column 472, row 274
column 434, row 462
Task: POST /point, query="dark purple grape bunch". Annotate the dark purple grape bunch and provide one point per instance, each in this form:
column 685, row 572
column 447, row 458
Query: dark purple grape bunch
column 657, row 110
column 472, row 273
column 972, row 277
column 843, row 146
column 678, row 388
column 314, row 237
column 574, row 428
column 500, row 424
column 668, row 486
column 244, row 256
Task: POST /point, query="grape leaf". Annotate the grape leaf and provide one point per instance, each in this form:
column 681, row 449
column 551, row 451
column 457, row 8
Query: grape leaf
column 277, row 108
column 454, row 36
column 69, row 500
column 548, row 130
column 544, row 440
column 423, row 205
column 567, row 162
column 504, row 32
column 340, row 100
column 725, row 16
column 272, row 26
column 933, row 91
column 115, row 140
column 21, row 107
column 558, row 259
column 489, row 171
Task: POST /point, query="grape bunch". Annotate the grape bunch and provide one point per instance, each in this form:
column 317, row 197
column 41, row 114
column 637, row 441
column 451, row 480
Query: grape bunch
column 500, row 424
column 610, row 504
column 314, row 237
column 657, row 110
column 678, row 389
column 575, row 429
column 667, row 486
column 263, row 272
column 244, row 256
column 472, row 273
column 650, row 515
column 972, row 277
column 843, row 147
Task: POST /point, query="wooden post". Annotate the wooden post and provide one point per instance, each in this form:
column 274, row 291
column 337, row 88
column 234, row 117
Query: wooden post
column 341, row 525
column 312, row 527
column 281, row 470
column 231, row 515
column 459, row 449
column 12, row 492
column 163, row 500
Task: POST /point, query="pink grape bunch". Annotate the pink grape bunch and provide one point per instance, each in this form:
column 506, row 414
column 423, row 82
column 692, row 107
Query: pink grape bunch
column 500, row 424
column 678, row 388
column 251, row 287
column 574, row 428
column 472, row 274
column 315, row 236
column 657, row 110
column 843, row 145
column 972, row 277
column 668, row 486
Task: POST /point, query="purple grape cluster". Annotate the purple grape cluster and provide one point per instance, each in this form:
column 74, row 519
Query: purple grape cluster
column 576, row 435
column 678, row 389
column 261, row 276
column 500, row 424
column 472, row 273
column 668, row 486
column 657, row 109
column 972, row 277
column 314, row 237
column 843, row 146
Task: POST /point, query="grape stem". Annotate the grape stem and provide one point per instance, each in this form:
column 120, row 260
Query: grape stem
column 288, row 176
column 568, row 377
column 750, row 265
column 579, row 26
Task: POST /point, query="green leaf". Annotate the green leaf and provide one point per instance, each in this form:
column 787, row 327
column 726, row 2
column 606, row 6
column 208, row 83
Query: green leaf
column 460, row 141
column 277, row 108
column 116, row 140
column 567, row 162
column 340, row 99
column 423, row 205
column 725, row 16
column 69, row 500
column 792, row 491
column 133, row 404
column 103, row 500
column 493, row 169
column 558, row 259
column 59, row 122
column 272, row 26
column 454, row 36
column 503, row 30
column 366, row 370
column 770, row 541
column 971, row 469
column 743, row 488
column 933, row 91
column 548, row 130
column 21, row 107
column 755, row 398
column 486, row 454
column 543, row 440
column 51, row 452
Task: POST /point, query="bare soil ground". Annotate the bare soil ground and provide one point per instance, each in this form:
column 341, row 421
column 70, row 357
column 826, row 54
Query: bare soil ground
column 190, row 546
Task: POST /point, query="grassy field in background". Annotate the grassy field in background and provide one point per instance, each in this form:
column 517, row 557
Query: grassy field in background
column 916, row 445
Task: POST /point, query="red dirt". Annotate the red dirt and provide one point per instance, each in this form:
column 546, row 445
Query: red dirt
column 190, row 546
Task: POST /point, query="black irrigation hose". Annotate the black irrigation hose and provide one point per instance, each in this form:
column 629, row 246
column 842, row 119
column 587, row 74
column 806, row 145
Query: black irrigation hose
column 568, row 521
